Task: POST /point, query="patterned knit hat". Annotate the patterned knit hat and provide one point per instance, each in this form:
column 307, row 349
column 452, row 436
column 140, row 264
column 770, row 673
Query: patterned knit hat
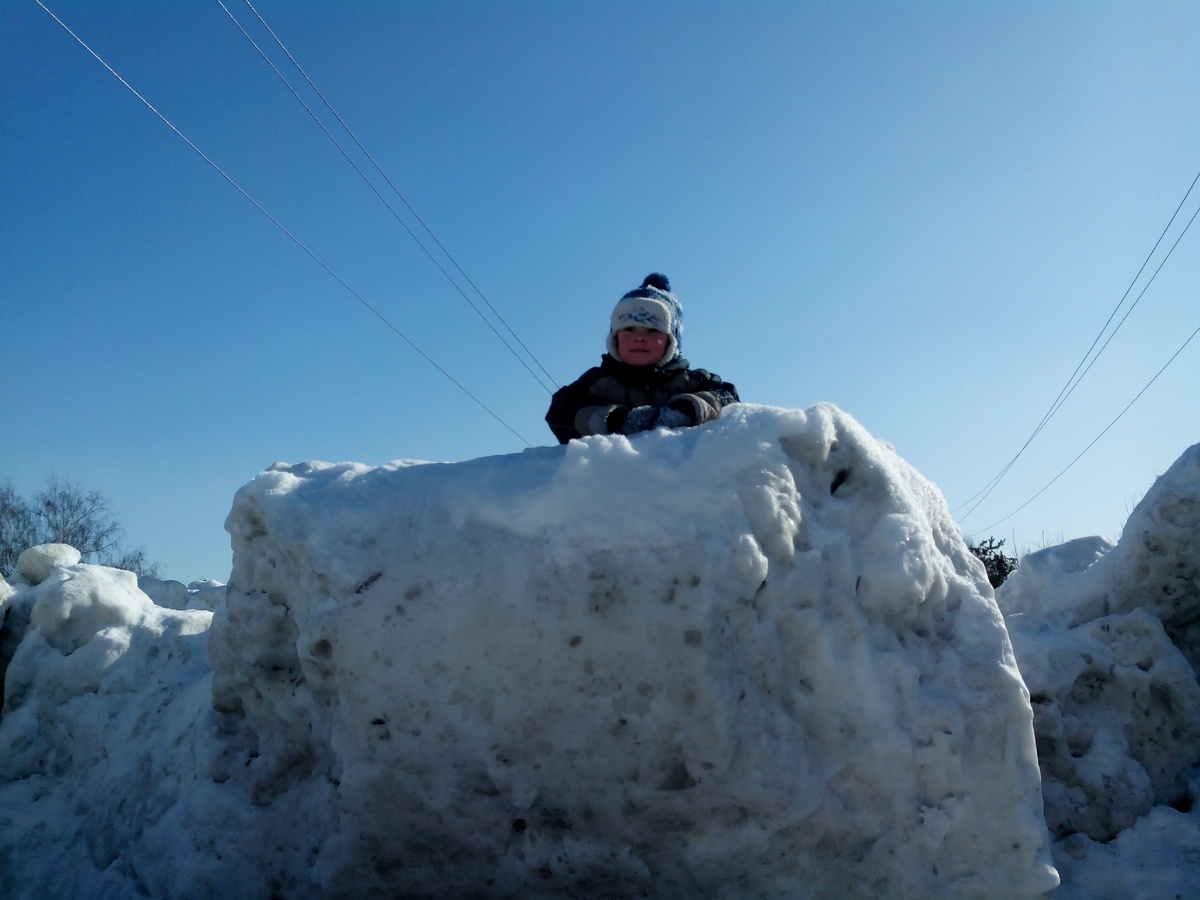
column 653, row 306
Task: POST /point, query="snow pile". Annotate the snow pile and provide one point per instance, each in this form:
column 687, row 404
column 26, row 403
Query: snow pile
column 749, row 659
column 1108, row 639
column 755, row 657
column 35, row 564
column 174, row 595
column 104, row 706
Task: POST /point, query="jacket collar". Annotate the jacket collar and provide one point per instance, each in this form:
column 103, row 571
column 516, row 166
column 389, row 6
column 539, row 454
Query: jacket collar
column 610, row 363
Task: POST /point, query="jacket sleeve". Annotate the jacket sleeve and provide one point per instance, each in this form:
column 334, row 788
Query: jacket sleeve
column 574, row 412
column 705, row 398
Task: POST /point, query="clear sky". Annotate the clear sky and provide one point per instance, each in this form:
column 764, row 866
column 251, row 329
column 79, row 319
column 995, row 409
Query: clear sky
column 921, row 212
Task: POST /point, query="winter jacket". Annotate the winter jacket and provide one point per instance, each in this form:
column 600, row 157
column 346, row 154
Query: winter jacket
column 600, row 401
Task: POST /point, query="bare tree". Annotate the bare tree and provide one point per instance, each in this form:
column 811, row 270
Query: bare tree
column 69, row 516
column 18, row 528
column 64, row 513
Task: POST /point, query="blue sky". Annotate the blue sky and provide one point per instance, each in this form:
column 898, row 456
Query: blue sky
column 921, row 212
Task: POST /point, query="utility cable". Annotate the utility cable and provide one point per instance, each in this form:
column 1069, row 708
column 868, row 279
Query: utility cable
column 382, row 199
column 395, row 190
column 1073, row 381
column 281, row 226
column 1097, row 438
column 1143, row 291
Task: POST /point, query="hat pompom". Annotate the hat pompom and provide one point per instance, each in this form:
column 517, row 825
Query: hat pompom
column 657, row 280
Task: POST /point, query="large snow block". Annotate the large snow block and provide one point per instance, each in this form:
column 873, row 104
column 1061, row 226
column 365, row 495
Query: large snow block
column 1117, row 721
column 103, row 747
column 1154, row 567
column 1108, row 640
column 749, row 659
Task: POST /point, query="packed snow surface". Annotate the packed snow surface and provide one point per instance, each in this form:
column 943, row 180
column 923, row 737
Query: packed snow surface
column 1108, row 640
column 750, row 659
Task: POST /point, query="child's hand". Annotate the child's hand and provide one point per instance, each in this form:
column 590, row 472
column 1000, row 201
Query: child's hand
column 645, row 418
column 672, row 418
column 682, row 405
column 640, row 418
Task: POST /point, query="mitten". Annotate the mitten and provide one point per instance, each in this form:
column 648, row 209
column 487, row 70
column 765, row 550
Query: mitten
column 672, row 418
column 640, row 418
column 616, row 419
column 685, row 407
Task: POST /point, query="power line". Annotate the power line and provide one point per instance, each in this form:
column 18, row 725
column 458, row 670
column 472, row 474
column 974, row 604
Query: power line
column 1065, row 393
column 395, row 190
column 280, row 225
column 1097, row 437
column 1073, row 381
column 382, row 199
column 1147, row 286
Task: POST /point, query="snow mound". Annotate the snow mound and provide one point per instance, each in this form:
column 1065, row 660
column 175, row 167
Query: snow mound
column 175, row 595
column 753, row 658
column 749, row 658
column 1159, row 842
column 105, row 699
column 1108, row 639
column 36, row 563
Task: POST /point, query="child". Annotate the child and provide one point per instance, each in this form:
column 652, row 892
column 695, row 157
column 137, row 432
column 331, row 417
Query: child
column 642, row 382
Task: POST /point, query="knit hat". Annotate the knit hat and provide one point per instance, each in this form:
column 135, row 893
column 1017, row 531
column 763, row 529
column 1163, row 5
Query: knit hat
column 653, row 306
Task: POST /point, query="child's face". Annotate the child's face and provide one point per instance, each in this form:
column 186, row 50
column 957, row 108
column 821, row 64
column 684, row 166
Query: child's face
column 641, row 346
